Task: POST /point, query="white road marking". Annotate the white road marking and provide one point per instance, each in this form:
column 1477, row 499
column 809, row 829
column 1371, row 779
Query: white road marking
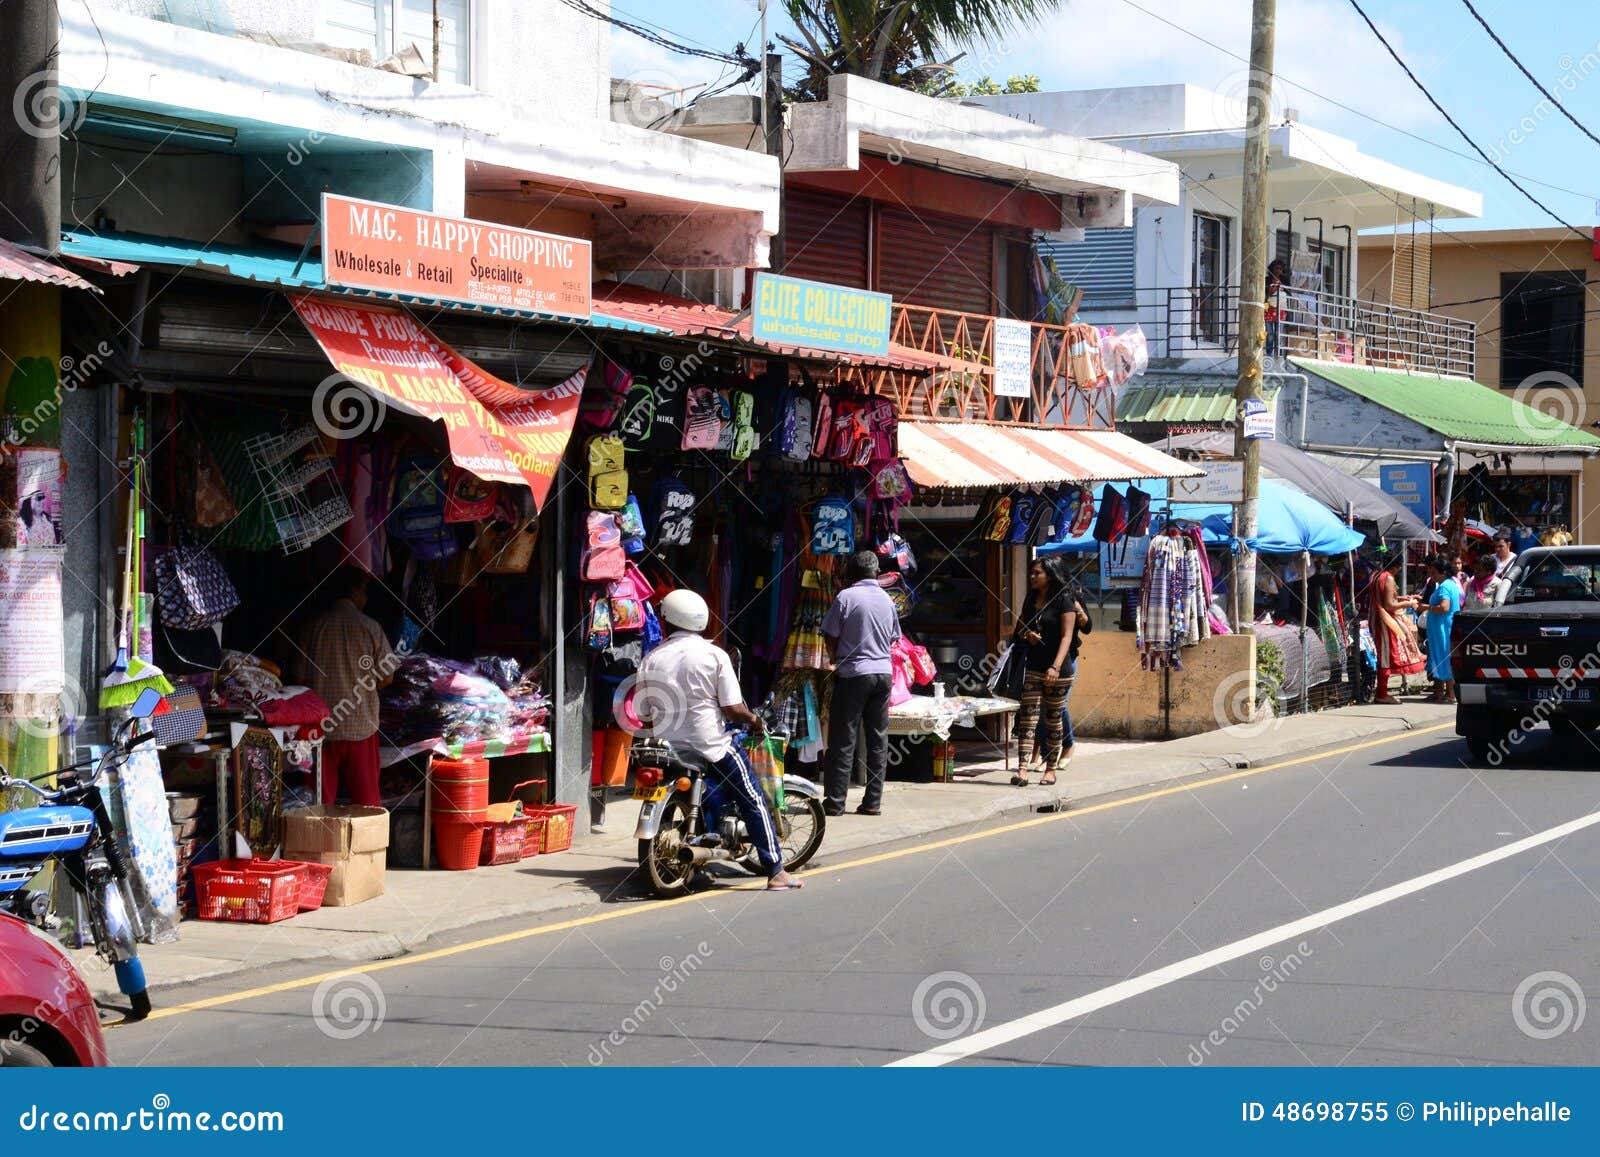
column 1000, row 1034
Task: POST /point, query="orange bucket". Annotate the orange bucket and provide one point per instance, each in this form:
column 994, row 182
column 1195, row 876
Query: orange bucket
column 458, row 845
column 460, row 789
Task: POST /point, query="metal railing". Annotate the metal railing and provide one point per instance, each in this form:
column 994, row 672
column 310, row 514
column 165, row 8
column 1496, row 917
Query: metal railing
column 1197, row 321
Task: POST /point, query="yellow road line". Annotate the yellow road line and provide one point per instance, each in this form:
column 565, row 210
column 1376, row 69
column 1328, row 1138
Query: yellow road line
column 865, row 861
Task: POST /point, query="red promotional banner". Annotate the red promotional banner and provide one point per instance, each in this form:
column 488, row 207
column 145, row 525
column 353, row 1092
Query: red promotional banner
column 497, row 431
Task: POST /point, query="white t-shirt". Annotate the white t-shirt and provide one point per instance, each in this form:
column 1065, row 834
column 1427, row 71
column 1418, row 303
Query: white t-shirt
column 683, row 686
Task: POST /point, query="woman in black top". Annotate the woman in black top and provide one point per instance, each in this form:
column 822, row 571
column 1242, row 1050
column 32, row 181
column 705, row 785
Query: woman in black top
column 1046, row 629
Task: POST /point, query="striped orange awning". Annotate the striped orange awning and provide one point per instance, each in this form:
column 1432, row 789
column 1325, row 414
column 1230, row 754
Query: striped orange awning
column 17, row 264
column 969, row 455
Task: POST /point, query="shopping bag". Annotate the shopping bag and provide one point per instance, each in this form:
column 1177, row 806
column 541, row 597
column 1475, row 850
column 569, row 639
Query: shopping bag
column 766, row 761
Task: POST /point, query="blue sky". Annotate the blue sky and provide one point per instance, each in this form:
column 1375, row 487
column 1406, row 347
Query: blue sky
column 1324, row 51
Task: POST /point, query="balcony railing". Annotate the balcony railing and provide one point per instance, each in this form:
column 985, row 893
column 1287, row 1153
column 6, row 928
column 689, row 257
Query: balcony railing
column 1195, row 322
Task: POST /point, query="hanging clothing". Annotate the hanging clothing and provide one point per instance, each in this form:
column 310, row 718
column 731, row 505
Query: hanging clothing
column 1171, row 612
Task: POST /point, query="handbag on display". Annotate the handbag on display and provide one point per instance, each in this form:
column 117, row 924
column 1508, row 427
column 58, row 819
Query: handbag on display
column 627, row 609
column 504, row 548
column 467, row 498
column 192, row 589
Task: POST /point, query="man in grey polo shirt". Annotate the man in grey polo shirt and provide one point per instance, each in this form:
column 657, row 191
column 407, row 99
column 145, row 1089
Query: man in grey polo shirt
column 860, row 627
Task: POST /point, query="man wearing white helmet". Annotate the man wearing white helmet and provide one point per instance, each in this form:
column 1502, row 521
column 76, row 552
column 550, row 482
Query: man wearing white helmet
column 687, row 693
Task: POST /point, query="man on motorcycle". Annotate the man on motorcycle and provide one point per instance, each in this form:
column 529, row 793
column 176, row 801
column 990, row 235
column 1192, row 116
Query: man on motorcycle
column 687, row 691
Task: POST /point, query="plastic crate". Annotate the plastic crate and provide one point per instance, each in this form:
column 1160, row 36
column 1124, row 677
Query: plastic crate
column 558, row 821
column 313, row 883
column 503, row 842
column 247, row 891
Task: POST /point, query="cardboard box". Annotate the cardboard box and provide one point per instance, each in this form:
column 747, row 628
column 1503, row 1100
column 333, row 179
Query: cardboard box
column 355, row 879
column 353, row 840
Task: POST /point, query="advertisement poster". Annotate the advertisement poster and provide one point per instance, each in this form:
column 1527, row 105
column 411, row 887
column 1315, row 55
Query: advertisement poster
column 1013, row 358
column 495, row 430
column 1223, row 481
column 30, row 630
column 1410, row 484
column 38, row 510
column 793, row 311
column 1122, row 563
column 1260, row 421
column 367, row 245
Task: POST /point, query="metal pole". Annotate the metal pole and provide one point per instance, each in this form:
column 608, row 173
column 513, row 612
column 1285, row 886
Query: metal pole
column 436, row 38
column 1305, row 654
column 1252, row 283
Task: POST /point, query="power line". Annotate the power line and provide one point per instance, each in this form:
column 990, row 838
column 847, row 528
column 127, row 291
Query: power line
column 738, row 57
column 1351, row 109
column 1422, row 88
column 1533, row 80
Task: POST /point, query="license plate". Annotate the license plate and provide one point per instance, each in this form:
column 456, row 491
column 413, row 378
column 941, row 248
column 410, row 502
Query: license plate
column 650, row 794
column 1561, row 694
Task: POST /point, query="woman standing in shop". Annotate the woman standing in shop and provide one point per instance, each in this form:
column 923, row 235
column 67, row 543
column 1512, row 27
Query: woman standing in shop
column 1045, row 631
column 1392, row 633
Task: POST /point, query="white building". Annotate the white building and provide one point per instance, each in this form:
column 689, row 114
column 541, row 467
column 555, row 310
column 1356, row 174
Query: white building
column 1177, row 270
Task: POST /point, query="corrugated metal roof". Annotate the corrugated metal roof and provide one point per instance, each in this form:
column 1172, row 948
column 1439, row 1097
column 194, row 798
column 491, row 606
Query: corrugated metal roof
column 687, row 318
column 1177, row 401
column 969, row 455
column 17, row 264
column 1458, row 408
column 1101, row 264
column 276, row 265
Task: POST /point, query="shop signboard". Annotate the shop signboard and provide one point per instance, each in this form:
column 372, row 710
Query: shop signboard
column 497, row 431
column 1260, row 421
column 1223, row 481
column 368, row 245
column 1411, row 485
column 792, row 311
column 1013, row 358
column 31, row 658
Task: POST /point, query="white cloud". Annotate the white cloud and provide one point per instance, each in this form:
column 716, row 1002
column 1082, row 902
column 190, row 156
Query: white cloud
column 1322, row 44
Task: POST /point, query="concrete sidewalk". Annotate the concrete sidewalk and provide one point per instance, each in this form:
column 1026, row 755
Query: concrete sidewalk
column 421, row 905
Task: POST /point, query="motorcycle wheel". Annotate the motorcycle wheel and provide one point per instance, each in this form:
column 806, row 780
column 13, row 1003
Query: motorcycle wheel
column 658, row 857
column 800, row 832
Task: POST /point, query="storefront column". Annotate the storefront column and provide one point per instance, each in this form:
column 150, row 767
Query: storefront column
column 569, row 697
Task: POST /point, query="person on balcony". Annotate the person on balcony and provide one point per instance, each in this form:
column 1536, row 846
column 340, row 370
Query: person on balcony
column 1277, row 274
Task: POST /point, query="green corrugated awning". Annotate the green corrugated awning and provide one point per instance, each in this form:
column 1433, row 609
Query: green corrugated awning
column 1181, row 401
column 1457, row 408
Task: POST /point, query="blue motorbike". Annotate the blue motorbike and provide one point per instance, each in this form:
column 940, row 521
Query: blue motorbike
column 72, row 828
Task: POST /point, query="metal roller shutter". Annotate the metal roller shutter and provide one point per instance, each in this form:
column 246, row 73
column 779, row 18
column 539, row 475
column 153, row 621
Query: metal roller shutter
column 1101, row 264
column 942, row 262
column 826, row 236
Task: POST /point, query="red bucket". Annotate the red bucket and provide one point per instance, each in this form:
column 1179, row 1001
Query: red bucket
column 460, row 789
column 457, row 845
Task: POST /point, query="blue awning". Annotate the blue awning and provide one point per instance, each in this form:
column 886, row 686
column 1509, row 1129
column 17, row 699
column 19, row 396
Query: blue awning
column 275, row 265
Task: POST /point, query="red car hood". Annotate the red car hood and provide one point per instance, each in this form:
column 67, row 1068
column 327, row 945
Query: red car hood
column 38, row 981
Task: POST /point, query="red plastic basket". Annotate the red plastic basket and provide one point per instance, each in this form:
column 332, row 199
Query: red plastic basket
column 502, row 842
column 458, row 845
column 247, row 891
column 533, row 836
column 313, row 882
column 558, row 820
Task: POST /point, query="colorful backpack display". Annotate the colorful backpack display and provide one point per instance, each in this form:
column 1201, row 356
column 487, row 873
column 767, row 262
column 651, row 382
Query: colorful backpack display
column 637, row 422
column 627, row 609
column 603, row 558
column 674, row 506
column 467, row 497
column 416, row 510
column 995, row 520
column 1024, row 506
column 602, row 400
column 744, row 438
column 800, row 430
column 852, row 433
column 608, row 475
column 630, row 519
column 702, row 419
column 885, row 426
column 890, row 482
column 822, row 425
column 833, row 527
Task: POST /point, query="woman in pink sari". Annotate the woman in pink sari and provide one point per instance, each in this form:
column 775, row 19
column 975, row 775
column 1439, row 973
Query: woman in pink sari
column 1393, row 634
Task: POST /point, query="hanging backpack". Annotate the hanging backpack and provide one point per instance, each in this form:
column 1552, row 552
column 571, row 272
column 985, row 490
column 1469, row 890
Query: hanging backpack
column 416, row 510
column 702, row 420
column 603, row 395
column 885, row 426
column 1082, row 514
column 608, row 475
column 1024, row 506
column 852, row 433
column 674, row 506
column 800, row 427
column 1042, row 529
column 833, row 527
column 467, row 497
column 603, row 559
column 745, row 438
column 822, row 425
column 631, row 521
column 890, row 482
column 1067, row 503
column 995, row 520
column 636, row 424
column 1112, row 521
column 1138, row 512
column 627, row 609
column 599, row 634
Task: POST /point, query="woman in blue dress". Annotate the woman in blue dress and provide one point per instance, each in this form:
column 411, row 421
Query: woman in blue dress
column 1443, row 603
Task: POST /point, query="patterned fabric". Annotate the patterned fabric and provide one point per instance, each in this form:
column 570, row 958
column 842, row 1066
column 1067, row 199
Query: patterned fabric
column 345, row 652
column 144, row 823
column 807, row 649
column 1171, row 613
column 1394, row 638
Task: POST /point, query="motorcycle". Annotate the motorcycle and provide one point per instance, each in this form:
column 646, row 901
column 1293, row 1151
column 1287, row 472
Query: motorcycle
column 688, row 819
column 72, row 827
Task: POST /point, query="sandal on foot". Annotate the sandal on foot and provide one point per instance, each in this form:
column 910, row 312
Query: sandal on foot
column 1019, row 781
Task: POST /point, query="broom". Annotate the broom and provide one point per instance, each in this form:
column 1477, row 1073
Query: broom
column 130, row 676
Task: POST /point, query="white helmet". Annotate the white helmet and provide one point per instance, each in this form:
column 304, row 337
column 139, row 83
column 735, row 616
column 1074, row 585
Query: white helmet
column 686, row 610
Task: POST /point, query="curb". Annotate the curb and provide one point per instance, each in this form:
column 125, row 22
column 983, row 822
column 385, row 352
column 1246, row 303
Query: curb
column 1162, row 770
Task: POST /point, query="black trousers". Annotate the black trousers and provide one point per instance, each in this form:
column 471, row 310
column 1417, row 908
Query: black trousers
column 857, row 699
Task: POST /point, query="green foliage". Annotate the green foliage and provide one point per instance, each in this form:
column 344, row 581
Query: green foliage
column 1271, row 673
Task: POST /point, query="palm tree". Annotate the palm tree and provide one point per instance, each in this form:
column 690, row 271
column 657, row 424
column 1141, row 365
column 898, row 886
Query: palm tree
column 898, row 42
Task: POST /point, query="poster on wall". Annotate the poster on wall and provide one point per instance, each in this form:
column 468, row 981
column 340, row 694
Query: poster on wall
column 1122, row 563
column 1013, row 358
column 31, row 659
column 38, row 498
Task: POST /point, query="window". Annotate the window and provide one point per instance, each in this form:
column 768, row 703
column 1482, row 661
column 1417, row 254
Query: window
column 1210, row 288
column 1334, row 266
column 1541, row 326
column 1557, row 578
column 384, row 27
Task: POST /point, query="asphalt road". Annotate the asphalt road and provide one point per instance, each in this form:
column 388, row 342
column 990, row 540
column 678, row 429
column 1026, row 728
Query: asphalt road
column 920, row 948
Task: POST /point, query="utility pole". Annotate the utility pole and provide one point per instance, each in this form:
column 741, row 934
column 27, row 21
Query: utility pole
column 30, row 132
column 1252, row 292
column 772, row 122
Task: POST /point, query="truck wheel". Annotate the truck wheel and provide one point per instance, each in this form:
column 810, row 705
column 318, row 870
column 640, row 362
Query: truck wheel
column 1481, row 746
